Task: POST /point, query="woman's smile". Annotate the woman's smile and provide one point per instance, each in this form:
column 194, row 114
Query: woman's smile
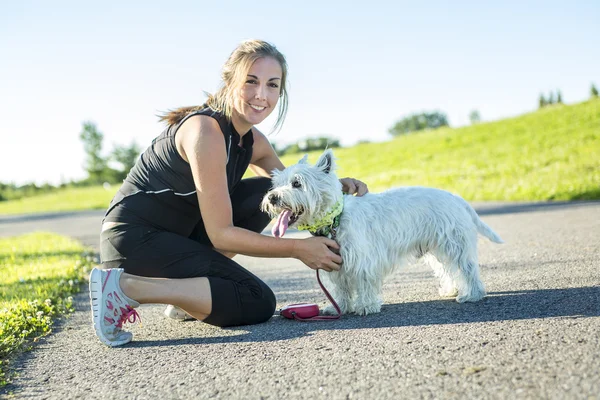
column 257, row 108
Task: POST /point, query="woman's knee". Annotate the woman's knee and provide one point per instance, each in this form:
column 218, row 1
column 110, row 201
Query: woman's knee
column 235, row 305
column 260, row 184
column 252, row 313
column 250, row 192
column 258, row 307
column 265, row 307
column 246, row 203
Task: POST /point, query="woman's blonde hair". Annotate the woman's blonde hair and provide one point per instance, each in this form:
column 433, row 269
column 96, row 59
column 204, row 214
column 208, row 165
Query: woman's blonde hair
column 233, row 75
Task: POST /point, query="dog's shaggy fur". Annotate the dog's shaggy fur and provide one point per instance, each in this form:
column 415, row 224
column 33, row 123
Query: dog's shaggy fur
column 379, row 232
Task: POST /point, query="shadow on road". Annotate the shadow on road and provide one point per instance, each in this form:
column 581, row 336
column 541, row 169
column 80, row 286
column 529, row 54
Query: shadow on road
column 580, row 302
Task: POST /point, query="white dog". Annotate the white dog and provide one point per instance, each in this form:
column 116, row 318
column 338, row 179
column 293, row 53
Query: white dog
column 378, row 232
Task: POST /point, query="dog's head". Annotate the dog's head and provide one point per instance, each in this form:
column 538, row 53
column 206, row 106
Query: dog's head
column 303, row 193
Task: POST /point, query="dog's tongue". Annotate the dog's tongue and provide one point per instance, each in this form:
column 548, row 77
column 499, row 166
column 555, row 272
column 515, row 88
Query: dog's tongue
column 282, row 223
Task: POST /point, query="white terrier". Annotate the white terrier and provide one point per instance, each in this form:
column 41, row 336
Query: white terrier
column 378, row 232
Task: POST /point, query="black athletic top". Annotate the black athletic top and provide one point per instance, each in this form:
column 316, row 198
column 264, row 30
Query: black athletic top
column 159, row 190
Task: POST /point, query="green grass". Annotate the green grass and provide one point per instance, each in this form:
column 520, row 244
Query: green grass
column 549, row 154
column 71, row 199
column 40, row 272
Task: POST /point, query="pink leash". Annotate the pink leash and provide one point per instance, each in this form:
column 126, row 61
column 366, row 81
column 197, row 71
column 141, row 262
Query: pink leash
column 310, row 311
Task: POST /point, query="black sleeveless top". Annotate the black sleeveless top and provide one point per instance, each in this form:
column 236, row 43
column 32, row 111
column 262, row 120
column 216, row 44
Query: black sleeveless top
column 159, row 190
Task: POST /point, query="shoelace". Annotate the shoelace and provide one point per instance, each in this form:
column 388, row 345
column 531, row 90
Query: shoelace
column 131, row 316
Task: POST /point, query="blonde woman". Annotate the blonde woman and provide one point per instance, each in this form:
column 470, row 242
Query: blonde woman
column 184, row 210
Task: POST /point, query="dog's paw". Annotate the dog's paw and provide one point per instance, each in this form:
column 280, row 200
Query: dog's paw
column 366, row 309
column 330, row 310
column 448, row 291
column 471, row 297
column 343, row 305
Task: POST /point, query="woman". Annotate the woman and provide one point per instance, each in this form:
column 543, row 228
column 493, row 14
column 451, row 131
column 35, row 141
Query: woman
column 184, row 211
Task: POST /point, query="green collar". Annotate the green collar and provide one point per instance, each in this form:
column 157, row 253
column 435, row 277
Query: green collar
column 330, row 221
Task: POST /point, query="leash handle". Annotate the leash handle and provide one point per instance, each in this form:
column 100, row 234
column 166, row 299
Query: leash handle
column 322, row 317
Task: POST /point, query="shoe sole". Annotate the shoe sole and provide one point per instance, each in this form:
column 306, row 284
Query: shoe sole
column 180, row 316
column 95, row 300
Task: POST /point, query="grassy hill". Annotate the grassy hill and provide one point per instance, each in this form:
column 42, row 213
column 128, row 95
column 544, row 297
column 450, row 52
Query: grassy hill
column 549, row 154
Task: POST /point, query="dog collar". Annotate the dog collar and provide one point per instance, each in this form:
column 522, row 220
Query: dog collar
column 328, row 223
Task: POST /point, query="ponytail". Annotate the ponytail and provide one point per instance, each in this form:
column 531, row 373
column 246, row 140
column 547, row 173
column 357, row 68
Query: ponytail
column 173, row 117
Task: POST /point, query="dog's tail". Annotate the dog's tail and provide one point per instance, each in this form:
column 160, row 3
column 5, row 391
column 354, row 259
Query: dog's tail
column 482, row 228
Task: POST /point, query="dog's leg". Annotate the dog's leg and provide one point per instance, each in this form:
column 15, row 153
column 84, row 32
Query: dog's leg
column 468, row 282
column 447, row 286
column 470, row 287
column 368, row 292
column 459, row 258
column 341, row 291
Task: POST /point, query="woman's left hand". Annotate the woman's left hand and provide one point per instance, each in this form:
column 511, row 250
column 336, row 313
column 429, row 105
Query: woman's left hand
column 354, row 186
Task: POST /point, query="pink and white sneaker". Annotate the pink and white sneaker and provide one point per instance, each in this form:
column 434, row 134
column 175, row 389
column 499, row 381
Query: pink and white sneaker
column 110, row 307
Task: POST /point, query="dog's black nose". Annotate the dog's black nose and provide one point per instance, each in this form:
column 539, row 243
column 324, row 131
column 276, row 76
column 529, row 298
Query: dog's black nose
column 273, row 199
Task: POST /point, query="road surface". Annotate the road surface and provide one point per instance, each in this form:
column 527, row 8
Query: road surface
column 536, row 335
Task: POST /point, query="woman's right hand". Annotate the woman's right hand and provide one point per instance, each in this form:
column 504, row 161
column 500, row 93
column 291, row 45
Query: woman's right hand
column 316, row 253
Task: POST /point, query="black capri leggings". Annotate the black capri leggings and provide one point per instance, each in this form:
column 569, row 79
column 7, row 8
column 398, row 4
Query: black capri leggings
column 238, row 296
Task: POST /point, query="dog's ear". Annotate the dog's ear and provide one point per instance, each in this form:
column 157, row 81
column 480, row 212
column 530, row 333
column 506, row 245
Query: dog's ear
column 303, row 160
column 326, row 161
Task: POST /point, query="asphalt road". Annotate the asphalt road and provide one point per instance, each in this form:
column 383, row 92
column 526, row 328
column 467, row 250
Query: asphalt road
column 536, row 335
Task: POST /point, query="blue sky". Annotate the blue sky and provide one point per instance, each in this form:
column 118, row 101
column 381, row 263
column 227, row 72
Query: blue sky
column 355, row 67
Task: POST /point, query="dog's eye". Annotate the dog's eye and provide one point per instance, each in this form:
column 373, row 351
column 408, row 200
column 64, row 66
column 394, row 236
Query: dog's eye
column 296, row 184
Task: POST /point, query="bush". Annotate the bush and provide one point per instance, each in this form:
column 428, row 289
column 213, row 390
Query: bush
column 309, row 144
column 419, row 122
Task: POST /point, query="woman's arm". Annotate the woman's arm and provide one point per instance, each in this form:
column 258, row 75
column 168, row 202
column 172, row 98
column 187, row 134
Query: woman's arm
column 264, row 159
column 203, row 146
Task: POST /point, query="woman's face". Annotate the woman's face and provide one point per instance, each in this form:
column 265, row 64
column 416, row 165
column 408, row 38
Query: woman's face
column 259, row 94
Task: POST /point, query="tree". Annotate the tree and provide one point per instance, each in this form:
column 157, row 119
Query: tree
column 308, row 144
column 474, row 117
column 551, row 98
column 419, row 122
column 436, row 120
column 95, row 165
column 559, row 97
column 126, row 156
column 319, row 143
column 542, row 101
column 594, row 91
